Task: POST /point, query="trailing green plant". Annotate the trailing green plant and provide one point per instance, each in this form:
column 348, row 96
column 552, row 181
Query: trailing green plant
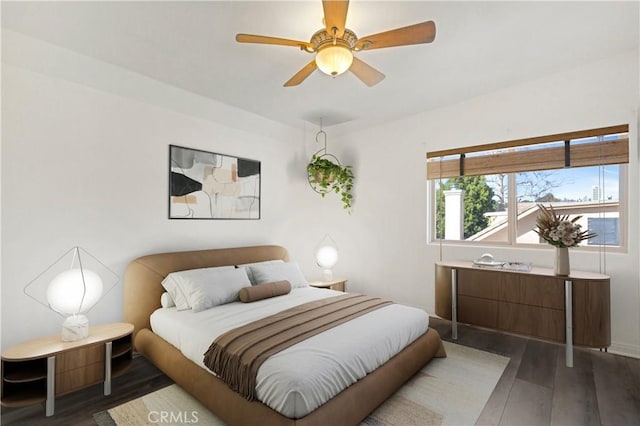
column 326, row 176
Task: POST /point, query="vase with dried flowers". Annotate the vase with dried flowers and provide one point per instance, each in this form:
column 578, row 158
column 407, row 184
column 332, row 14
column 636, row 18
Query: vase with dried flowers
column 561, row 232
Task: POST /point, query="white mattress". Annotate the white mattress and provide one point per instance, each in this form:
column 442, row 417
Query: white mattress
column 299, row 379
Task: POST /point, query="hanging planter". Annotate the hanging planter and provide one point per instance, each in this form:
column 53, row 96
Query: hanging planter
column 325, row 174
column 323, row 171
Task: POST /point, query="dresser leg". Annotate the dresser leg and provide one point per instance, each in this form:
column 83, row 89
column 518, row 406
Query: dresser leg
column 107, row 368
column 51, row 386
column 568, row 309
column 454, row 304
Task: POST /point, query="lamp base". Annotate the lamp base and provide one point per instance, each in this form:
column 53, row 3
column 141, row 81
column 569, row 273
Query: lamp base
column 327, row 274
column 74, row 328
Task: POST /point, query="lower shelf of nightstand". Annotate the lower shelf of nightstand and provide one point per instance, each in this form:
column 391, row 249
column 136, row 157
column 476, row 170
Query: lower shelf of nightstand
column 23, row 394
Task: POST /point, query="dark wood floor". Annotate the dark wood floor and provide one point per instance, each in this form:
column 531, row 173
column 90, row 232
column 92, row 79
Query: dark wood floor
column 535, row 389
column 78, row 408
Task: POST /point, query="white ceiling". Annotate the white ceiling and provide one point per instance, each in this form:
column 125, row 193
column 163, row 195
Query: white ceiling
column 479, row 47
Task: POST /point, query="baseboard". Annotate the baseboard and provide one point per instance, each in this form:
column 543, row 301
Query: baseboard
column 632, row 351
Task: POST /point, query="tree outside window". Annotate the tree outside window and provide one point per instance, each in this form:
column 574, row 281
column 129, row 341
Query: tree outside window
column 478, row 200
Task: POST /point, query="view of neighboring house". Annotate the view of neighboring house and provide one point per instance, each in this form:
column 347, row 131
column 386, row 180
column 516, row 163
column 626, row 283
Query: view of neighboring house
column 601, row 218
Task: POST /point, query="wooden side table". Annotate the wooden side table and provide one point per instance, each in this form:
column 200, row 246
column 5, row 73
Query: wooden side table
column 41, row 369
column 338, row 284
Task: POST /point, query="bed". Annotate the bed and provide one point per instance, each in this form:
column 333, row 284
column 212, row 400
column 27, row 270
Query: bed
column 142, row 293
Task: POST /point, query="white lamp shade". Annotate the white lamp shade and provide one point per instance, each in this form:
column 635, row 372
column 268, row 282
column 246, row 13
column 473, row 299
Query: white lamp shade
column 327, row 257
column 70, row 294
column 334, row 60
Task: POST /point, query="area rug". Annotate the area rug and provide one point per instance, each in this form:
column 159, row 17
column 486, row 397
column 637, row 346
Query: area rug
column 447, row 391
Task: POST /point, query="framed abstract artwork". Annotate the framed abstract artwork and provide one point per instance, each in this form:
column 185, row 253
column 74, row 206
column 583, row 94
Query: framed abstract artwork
column 208, row 185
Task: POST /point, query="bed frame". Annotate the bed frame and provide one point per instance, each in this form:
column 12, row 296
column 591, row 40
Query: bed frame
column 142, row 291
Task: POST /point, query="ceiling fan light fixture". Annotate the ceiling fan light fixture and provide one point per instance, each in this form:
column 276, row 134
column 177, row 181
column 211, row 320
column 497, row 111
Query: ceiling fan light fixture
column 334, row 60
column 334, row 45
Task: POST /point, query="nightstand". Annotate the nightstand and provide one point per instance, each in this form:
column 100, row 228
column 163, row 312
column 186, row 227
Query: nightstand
column 41, row 369
column 338, row 284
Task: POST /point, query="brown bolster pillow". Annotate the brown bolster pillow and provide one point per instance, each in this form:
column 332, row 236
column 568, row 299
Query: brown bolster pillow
column 264, row 291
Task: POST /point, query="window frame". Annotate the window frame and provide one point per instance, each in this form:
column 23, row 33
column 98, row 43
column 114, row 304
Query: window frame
column 512, row 214
column 512, row 218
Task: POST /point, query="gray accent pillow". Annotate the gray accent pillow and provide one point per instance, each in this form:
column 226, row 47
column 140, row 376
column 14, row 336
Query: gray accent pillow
column 247, row 266
column 285, row 271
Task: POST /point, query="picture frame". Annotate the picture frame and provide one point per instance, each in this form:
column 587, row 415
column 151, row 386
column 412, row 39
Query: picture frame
column 210, row 185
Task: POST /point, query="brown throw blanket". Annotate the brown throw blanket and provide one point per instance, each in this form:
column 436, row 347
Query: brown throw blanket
column 236, row 355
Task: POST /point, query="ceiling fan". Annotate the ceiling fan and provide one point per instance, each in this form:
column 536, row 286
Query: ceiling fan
column 334, row 45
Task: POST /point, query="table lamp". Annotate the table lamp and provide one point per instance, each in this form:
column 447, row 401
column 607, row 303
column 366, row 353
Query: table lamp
column 327, row 257
column 71, row 286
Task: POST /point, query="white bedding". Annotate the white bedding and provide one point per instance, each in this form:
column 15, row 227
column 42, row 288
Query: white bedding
column 299, row 379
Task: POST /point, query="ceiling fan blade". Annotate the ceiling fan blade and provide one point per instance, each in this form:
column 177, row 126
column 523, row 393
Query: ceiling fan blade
column 250, row 38
column 424, row 32
column 365, row 72
column 302, row 74
column 335, row 15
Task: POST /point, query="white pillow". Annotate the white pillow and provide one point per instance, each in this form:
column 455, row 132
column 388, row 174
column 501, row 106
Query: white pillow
column 181, row 284
column 247, row 266
column 289, row 271
column 222, row 288
column 166, row 301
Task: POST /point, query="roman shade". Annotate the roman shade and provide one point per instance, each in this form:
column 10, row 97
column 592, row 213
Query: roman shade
column 593, row 147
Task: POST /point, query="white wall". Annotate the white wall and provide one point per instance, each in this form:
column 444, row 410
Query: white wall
column 85, row 162
column 383, row 244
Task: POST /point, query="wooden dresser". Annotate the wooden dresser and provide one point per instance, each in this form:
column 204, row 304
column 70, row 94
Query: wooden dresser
column 574, row 309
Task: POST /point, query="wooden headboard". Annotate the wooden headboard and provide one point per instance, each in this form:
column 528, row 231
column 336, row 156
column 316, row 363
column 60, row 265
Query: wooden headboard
column 143, row 276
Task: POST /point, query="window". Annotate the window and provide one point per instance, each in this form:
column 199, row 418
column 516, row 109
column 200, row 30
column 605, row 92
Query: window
column 579, row 173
